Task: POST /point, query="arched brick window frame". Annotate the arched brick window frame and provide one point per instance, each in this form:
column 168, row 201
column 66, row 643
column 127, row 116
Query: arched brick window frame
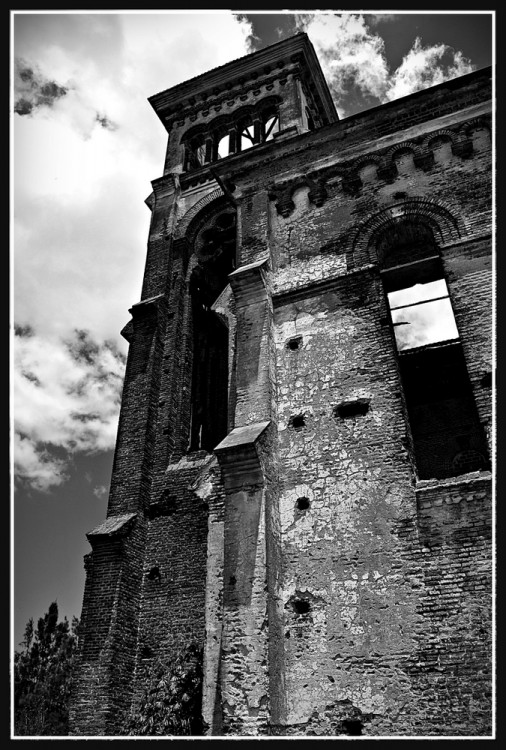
column 438, row 215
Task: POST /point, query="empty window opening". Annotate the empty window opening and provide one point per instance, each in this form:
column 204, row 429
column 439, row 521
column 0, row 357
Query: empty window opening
column 422, row 314
column 294, row 343
column 270, row 126
column 301, row 606
column 247, row 135
column 297, row 421
column 353, row 727
column 437, row 391
column 356, row 408
column 195, row 154
column 223, row 147
column 302, row 504
column 310, row 120
column 209, row 396
column 154, row 574
column 486, row 380
column 246, row 130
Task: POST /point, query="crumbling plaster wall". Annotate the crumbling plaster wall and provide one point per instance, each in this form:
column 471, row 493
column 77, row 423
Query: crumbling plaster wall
column 360, row 651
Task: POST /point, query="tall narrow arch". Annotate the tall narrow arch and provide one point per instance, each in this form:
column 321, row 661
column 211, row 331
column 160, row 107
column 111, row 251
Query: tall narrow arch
column 214, row 259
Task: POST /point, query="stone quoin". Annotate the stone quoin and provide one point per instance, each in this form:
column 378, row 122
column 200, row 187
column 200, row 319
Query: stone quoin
column 302, row 477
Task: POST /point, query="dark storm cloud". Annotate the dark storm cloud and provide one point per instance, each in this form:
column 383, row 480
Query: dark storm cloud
column 105, row 122
column 83, row 347
column 31, row 377
column 67, row 395
column 32, row 90
column 23, row 331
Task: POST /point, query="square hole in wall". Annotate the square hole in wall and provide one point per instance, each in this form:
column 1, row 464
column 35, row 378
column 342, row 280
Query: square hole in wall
column 356, row 408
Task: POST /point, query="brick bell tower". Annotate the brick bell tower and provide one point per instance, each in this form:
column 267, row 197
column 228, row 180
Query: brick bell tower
column 301, row 483
column 193, row 474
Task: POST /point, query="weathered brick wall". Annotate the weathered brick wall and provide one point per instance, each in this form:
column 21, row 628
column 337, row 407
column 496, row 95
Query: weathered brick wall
column 174, row 571
column 334, row 594
column 341, row 555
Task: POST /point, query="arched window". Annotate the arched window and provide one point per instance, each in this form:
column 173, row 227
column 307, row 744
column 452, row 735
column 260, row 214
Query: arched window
column 195, row 153
column 438, row 394
column 231, row 134
column 215, row 250
column 270, row 123
column 248, row 132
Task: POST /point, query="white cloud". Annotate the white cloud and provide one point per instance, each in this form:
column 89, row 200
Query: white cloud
column 426, row 66
column 36, row 467
column 350, row 54
column 86, row 148
column 353, row 55
column 66, row 398
column 374, row 19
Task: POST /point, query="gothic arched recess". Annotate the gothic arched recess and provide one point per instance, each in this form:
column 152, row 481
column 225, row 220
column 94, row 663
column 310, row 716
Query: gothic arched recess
column 213, row 260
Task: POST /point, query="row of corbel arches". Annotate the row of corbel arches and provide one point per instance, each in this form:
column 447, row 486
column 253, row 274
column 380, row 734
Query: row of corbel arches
column 461, row 142
column 248, row 126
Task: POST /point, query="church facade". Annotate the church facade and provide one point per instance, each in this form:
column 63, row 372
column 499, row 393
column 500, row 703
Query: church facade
column 302, row 479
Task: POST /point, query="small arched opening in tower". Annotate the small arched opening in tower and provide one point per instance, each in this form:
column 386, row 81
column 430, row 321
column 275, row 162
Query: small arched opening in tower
column 216, row 249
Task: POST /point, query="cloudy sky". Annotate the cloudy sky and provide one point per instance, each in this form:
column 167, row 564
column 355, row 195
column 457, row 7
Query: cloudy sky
column 86, row 145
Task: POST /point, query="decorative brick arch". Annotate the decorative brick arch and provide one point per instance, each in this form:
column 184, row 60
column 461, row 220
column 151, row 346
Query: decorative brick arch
column 203, row 205
column 438, row 215
column 366, row 159
column 442, row 133
column 476, row 124
column 401, row 148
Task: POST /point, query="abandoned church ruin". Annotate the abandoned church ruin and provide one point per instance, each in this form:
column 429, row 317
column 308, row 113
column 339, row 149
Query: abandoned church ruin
column 302, row 478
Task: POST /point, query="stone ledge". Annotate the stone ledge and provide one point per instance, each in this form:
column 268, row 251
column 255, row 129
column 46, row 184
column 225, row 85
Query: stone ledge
column 114, row 526
column 238, row 457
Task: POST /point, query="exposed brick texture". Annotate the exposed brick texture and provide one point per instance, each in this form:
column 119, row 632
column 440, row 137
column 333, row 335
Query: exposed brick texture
column 333, row 557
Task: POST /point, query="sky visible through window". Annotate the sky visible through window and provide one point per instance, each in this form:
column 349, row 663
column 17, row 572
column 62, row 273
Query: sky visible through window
column 422, row 314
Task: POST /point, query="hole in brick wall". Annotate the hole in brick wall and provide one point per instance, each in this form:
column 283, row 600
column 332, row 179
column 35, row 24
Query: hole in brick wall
column 356, row 408
column 486, row 380
column 164, row 506
column 146, row 652
column 301, row 606
column 154, row 574
column 287, row 634
column 302, row 504
column 232, row 580
column 295, row 343
column 297, row 421
column 353, row 727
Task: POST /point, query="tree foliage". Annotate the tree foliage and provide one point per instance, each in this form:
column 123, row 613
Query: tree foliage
column 172, row 703
column 43, row 675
